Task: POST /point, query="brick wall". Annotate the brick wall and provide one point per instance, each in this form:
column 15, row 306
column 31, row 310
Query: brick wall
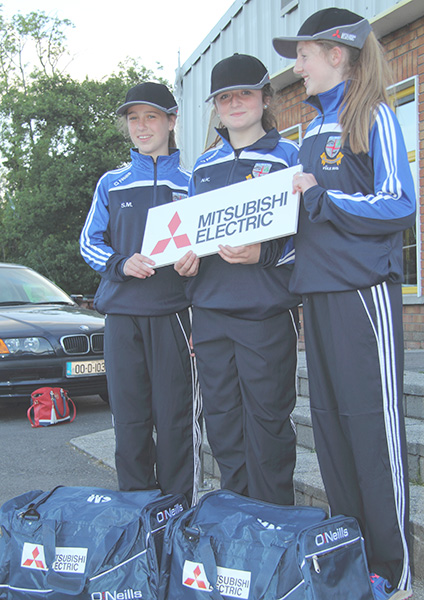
column 405, row 52
column 413, row 326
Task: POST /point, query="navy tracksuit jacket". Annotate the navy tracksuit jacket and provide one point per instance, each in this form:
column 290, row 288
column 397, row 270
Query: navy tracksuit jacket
column 152, row 379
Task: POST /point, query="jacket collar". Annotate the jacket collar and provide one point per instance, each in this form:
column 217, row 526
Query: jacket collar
column 330, row 100
column 163, row 163
column 266, row 142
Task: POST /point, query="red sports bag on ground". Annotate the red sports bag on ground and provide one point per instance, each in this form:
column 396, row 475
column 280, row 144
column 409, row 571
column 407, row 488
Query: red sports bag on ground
column 50, row 406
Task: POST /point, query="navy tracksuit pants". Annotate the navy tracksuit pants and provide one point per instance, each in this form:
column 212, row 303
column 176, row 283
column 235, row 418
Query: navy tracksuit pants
column 354, row 349
column 152, row 383
column 247, row 372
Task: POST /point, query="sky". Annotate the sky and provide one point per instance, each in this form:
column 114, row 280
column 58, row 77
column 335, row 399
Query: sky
column 106, row 33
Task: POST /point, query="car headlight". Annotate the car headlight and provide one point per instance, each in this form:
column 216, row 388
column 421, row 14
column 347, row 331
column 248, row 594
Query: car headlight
column 27, row 345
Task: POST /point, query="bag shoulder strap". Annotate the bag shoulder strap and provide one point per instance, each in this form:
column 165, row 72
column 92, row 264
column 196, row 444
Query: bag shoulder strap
column 208, row 559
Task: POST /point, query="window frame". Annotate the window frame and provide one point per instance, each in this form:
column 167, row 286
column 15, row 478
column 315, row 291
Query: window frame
column 397, row 91
column 293, row 133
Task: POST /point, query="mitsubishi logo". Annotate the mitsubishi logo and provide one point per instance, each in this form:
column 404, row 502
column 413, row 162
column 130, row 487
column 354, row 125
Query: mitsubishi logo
column 180, row 240
column 197, row 579
column 33, row 557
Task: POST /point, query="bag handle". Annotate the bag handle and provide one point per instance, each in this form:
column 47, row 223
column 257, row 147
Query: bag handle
column 53, row 398
column 75, row 585
column 208, row 559
column 29, row 415
column 31, row 512
column 74, row 409
column 60, row 583
column 67, row 401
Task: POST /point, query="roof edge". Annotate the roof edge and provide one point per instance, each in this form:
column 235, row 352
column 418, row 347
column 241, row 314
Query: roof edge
column 209, row 39
column 386, row 22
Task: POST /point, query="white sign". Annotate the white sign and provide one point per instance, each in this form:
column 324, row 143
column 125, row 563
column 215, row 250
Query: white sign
column 255, row 210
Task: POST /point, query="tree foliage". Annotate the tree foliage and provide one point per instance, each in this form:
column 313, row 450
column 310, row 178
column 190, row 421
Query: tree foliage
column 57, row 137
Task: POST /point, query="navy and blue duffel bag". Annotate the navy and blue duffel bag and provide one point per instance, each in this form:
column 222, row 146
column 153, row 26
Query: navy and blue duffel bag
column 230, row 546
column 86, row 543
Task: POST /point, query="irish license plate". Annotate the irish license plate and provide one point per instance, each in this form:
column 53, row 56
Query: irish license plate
column 83, row 368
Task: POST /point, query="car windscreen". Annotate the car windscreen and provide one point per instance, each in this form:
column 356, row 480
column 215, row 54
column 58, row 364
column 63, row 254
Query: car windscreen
column 22, row 286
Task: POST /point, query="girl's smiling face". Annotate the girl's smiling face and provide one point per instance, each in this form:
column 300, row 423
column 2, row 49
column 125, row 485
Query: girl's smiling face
column 240, row 110
column 149, row 129
column 321, row 70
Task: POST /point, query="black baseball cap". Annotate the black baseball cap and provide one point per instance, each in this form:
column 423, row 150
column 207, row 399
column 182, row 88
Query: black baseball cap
column 333, row 24
column 154, row 94
column 238, row 72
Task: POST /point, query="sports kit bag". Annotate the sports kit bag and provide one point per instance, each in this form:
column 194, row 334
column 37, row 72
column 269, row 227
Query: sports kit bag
column 230, row 546
column 50, row 406
column 85, row 543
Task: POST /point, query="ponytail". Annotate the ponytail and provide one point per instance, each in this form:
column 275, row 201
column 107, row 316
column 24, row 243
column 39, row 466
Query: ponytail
column 368, row 76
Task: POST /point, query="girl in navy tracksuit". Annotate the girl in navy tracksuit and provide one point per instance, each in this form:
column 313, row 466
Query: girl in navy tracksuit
column 244, row 332
column 150, row 372
column 358, row 197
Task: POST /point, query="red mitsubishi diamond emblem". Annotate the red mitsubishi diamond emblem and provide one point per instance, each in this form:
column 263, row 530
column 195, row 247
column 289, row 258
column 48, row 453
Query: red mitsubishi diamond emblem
column 181, row 241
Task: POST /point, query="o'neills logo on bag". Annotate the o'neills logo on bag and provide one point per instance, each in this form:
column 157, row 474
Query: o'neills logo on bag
column 163, row 515
column 230, row 582
column 128, row 594
column 326, row 537
column 67, row 560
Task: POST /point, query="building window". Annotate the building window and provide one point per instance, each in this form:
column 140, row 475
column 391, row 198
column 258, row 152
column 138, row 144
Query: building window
column 293, row 133
column 405, row 105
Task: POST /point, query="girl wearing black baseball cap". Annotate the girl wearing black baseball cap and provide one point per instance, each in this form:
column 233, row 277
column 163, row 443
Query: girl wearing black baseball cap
column 244, row 329
column 358, row 197
column 150, row 372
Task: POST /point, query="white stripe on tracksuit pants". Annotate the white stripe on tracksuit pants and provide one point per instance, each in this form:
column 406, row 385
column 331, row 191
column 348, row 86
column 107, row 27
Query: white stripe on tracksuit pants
column 356, row 407
column 152, row 382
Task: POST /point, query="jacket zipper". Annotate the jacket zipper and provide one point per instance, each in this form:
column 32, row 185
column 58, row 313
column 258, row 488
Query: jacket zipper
column 155, row 181
column 233, row 168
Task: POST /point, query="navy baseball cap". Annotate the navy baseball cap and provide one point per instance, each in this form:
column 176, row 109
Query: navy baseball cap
column 154, row 94
column 238, row 72
column 332, row 24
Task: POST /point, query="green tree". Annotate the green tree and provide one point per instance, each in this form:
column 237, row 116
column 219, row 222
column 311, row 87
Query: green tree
column 57, row 137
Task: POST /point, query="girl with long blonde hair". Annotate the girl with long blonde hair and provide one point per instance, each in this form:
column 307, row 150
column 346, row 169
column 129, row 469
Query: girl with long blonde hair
column 358, row 197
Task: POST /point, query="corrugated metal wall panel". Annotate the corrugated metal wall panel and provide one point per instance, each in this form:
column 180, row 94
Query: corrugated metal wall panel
column 247, row 27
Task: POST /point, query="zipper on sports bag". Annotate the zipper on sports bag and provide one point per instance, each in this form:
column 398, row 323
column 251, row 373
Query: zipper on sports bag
column 31, row 513
column 317, row 555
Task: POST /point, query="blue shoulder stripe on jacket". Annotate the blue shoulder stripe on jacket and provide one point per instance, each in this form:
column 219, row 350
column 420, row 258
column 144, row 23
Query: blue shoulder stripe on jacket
column 394, row 194
column 140, row 173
